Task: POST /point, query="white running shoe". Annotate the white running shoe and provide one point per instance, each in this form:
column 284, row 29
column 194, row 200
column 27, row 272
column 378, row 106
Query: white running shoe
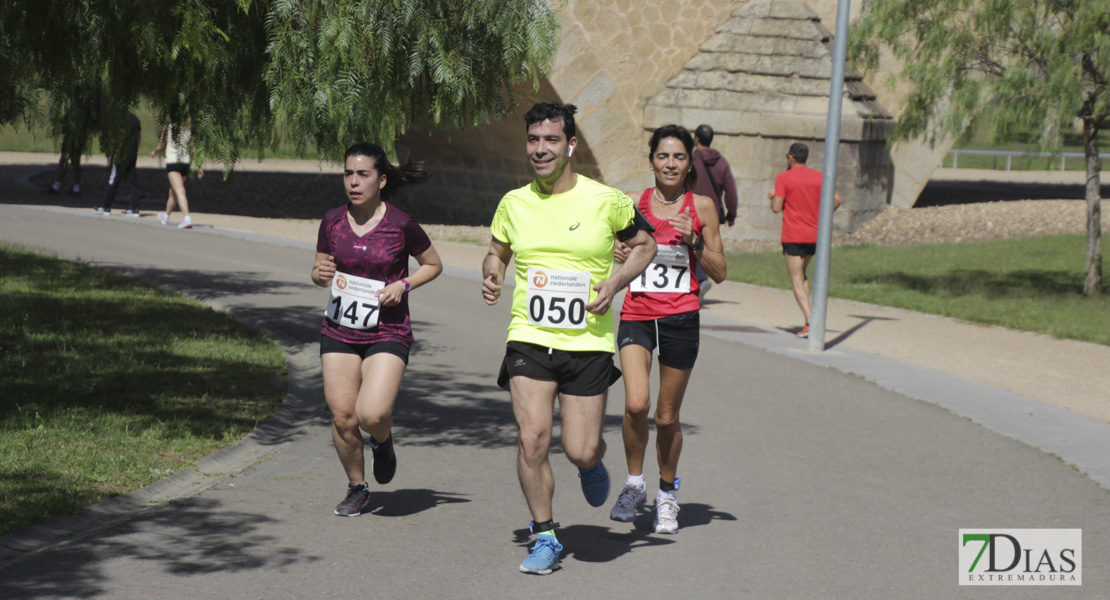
column 164, row 218
column 704, row 289
column 666, row 515
column 632, row 498
column 186, row 223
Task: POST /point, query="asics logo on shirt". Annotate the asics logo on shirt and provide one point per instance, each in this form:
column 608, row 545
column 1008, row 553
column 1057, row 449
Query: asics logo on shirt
column 575, row 226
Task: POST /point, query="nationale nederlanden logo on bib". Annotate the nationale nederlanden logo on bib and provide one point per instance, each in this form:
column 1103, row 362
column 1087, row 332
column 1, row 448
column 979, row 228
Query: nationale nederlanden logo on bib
column 340, row 282
column 1021, row 557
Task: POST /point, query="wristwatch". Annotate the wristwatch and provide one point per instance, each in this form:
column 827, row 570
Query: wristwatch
column 406, row 285
column 699, row 243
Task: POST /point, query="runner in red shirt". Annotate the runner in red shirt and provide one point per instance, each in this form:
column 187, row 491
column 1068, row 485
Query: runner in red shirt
column 797, row 196
column 661, row 309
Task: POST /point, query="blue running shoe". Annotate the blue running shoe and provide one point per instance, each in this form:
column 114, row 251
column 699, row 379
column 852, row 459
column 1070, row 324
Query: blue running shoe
column 544, row 557
column 595, row 484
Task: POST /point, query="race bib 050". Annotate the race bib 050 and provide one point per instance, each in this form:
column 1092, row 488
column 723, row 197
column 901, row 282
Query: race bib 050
column 557, row 299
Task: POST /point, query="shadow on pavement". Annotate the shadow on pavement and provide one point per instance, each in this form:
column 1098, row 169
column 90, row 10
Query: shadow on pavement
column 197, row 538
column 591, row 543
column 864, row 321
column 404, row 503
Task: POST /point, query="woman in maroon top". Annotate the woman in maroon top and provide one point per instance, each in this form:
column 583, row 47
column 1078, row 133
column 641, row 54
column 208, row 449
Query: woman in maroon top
column 362, row 254
column 661, row 310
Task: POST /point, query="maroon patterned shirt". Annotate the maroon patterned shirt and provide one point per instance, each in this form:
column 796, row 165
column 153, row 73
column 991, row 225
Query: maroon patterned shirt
column 382, row 254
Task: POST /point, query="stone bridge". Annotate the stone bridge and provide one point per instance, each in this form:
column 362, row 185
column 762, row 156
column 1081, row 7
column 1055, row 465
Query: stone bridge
column 757, row 71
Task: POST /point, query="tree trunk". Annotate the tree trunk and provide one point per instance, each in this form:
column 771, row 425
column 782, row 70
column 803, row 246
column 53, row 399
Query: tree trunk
column 1093, row 285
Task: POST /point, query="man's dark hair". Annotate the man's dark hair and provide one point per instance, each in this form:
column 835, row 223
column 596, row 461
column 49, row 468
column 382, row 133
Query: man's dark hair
column 799, row 152
column 554, row 111
column 704, row 133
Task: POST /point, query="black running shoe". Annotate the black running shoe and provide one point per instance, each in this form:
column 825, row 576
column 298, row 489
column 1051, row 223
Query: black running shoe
column 357, row 500
column 385, row 461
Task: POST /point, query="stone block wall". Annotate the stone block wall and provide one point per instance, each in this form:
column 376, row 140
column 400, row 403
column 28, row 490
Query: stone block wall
column 613, row 54
column 632, row 65
column 762, row 82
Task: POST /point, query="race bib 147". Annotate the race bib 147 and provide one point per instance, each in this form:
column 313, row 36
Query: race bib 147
column 354, row 302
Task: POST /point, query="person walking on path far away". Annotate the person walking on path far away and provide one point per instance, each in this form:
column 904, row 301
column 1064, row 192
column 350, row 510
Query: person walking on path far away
column 561, row 228
column 178, row 146
column 714, row 176
column 797, row 195
column 75, row 135
column 122, row 168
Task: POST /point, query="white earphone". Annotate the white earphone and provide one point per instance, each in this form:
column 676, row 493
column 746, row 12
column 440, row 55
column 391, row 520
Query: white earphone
column 570, row 151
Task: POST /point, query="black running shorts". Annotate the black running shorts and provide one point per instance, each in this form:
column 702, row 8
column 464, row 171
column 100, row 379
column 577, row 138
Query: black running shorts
column 330, row 344
column 577, row 373
column 802, row 250
column 676, row 336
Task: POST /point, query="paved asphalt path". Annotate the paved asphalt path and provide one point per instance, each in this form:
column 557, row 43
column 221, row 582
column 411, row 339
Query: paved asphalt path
column 799, row 481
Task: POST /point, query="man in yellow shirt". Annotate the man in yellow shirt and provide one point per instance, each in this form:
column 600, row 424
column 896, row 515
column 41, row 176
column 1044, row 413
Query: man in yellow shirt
column 561, row 228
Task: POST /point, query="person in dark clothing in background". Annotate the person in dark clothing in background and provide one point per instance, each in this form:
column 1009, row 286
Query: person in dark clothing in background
column 715, row 181
column 123, row 168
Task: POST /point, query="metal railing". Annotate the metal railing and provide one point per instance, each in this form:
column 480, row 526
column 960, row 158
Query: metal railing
column 1010, row 154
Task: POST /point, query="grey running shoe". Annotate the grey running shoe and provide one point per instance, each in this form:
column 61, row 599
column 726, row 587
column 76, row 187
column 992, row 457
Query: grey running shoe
column 666, row 515
column 632, row 499
column 130, row 213
column 357, row 500
column 100, row 210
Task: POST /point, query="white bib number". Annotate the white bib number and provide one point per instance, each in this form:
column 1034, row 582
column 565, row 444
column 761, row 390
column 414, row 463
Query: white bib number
column 669, row 273
column 353, row 302
column 557, row 299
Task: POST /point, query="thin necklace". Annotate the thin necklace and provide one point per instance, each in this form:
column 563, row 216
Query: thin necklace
column 659, row 196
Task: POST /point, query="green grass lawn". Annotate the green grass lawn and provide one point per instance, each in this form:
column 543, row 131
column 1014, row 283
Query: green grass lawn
column 1030, row 284
column 111, row 384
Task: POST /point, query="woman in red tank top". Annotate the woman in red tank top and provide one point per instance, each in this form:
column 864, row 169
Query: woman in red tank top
column 661, row 310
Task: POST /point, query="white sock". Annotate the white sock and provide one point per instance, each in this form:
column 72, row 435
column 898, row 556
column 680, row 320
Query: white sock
column 57, row 186
column 661, row 495
column 636, row 480
column 76, row 188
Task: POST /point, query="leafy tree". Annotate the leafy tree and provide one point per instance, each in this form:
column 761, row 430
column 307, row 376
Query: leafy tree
column 349, row 69
column 1032, row 65
column 329, row 72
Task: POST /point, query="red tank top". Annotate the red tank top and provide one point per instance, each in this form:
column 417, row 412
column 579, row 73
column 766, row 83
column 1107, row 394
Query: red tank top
column 672, row 272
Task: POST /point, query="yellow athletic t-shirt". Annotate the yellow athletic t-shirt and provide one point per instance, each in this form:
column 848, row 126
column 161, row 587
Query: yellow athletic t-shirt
column 569, row 232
